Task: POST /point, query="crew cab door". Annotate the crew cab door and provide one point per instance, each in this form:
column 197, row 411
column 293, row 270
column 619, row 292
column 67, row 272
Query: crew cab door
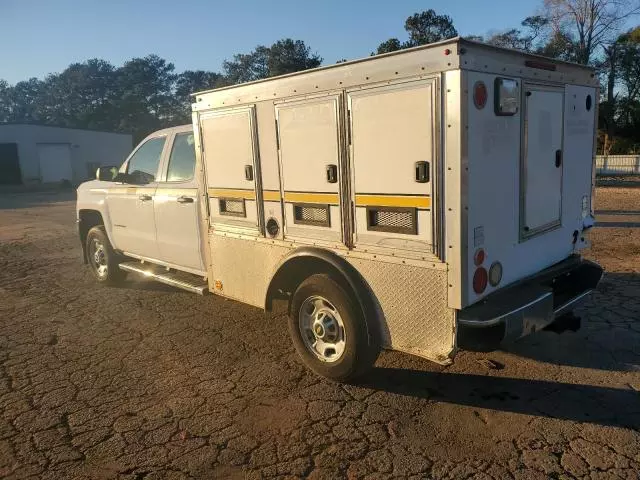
column 176, row 206
column 130, row 204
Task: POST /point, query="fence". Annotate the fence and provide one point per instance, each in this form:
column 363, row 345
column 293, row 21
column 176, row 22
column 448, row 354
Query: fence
column 618, row 164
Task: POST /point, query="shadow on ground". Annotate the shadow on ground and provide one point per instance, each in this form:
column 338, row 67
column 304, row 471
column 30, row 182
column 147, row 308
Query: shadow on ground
column 581, row 403
column 609, row 335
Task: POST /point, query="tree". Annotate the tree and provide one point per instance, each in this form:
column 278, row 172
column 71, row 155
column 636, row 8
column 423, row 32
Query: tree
column 189, row 82
column 284, row 56
column 560, row 46
column 429, row 27
column 628, row 73
column 288, row 56
column 423, row 28
column 391, row 45
column 247, row 67
column 588, row 24
column 23, row 101
column 529, row 40
column 536, row 26
column 508, row 39
column 145, row 100
column 81, row 96
column 5, row 91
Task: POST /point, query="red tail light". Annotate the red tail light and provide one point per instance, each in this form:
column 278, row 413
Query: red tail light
column 478, row 258
column 480, row 95
column 480, row 279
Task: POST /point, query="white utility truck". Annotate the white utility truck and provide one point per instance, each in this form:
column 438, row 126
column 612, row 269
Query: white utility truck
column 423, row 201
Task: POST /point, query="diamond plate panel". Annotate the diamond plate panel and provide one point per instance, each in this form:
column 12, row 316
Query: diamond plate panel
column 244, row 267
column 413, row 301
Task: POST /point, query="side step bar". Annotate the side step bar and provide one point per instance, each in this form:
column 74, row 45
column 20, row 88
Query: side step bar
column 185, row 281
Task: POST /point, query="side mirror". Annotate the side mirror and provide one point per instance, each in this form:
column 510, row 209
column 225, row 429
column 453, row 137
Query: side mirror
column 107, row 174
column 122, row 178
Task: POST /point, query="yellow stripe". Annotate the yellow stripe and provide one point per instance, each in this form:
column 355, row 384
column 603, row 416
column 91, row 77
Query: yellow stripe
column 301, row 197
column 271, row 195
column 392, row 201
column 231, row 193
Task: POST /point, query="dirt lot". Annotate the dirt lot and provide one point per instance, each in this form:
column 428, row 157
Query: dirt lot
column 147, row 382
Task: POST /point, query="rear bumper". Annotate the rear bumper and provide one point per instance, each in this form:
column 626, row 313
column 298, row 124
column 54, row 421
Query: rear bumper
column 527, row 307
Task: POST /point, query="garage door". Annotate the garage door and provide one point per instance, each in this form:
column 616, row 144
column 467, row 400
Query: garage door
column 55, row 162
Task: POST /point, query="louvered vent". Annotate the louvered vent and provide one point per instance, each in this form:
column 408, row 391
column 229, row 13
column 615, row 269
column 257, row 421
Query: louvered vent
column 396, row 220
column 312, row 215
column 233, row 207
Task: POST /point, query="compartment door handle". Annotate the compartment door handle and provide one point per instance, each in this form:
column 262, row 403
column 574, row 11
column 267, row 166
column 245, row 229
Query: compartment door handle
column 422, row 172
column 332, row 173
column 248, row 172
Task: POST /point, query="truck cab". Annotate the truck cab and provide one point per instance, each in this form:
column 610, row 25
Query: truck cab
column 149, row 212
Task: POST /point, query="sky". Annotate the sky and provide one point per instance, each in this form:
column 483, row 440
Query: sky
column 38, row 37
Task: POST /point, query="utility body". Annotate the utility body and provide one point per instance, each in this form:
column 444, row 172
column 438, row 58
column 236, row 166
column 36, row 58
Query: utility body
column 420, row 201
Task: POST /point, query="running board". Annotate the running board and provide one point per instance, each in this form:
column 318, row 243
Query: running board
column 185, row 281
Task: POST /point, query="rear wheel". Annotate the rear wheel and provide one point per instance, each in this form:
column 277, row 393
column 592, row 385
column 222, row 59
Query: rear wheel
column 102, row 259
column 329, row 330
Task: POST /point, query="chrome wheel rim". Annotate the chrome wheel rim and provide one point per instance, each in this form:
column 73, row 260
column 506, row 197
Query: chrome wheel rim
column 322, row 329
column 98, row 257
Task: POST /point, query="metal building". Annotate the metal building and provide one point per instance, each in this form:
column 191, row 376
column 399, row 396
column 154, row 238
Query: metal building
column 32, row 154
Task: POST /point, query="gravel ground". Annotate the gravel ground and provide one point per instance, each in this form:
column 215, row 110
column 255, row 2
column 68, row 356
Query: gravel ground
column 148, row 382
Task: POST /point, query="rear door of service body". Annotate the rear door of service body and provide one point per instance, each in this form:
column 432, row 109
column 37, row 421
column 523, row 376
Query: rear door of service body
column 530, row 159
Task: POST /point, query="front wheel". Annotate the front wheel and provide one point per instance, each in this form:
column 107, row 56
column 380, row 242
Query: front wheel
column 329, row 330
column 102, row 259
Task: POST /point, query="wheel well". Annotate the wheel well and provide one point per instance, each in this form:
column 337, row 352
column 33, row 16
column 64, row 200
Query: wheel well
column 87, row 220
column 310, row 261
column 293, row 272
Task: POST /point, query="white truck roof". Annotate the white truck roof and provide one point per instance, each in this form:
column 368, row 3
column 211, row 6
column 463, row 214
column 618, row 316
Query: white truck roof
column 452, row 54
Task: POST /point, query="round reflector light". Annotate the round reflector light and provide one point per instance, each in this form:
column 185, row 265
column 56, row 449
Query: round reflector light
column 480, row 280
column 478, row 258
column 480, row 95
column 495, row 273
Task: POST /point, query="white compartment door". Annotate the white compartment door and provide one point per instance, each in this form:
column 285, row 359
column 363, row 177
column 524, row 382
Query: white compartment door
column 55, row 162
column 393, row 163
column 542, row 160
column 310, row 155
column 232, row 169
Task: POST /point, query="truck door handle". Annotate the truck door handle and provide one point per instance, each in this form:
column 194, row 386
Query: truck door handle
column 184, row 199
column 558, row 158
column 144, row 198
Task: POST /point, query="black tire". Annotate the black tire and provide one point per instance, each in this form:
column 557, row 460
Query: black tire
column 361, row 347
column 111, row 274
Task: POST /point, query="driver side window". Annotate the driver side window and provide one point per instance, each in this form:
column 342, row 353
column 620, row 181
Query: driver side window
column 143, row 165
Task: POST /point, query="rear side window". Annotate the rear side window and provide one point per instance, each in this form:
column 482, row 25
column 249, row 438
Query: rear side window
column 182, row 161
column 143, row 165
